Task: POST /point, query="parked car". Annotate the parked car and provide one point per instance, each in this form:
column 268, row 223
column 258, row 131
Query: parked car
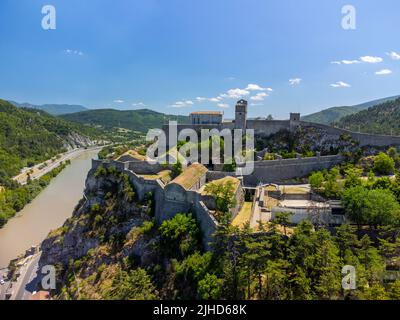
column 2, row 281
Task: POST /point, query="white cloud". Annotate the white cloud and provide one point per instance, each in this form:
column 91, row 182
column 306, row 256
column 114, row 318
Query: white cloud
column 259, row 96
column 256, row 87
column 217, row 99
column 256, row 104
column 365, row 59
column 76, row 52
column 371, row 59
column 394, row 55
column 340, row 84
column 346, row 62
column 237, row 93
column 350, row 61
column 119, row 101
column 182, row 104
column 223, row 105
column 202, row 99
column 139, row 104
column 295, row 81
column 383, row 72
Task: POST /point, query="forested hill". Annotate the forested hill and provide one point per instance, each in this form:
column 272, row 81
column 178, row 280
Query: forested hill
column 30, row 136
column 138, row 120
column 381, row 119
column 335, row 114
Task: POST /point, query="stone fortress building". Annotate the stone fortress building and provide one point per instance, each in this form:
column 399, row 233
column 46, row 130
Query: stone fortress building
column 186, row 192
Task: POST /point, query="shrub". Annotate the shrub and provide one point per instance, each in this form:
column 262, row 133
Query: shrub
column 383, row 164
column 316, row 180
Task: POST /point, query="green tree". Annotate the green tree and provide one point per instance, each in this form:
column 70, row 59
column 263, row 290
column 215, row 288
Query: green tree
column 209, row 288
column 383, row 164
column 283, row 219
column 176, row 169
column 353, row 177
column 376, row 292
column 346, row 239
column 180, row 235
column 133, row 285
column 223, row 194
column 372, row 207
column 332, row 188
column 394, row 290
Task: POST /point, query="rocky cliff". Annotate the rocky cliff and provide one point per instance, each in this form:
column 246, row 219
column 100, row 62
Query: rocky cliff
column 108, row 228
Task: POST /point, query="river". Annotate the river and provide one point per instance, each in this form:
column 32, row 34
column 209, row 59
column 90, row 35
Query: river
column 47, row 211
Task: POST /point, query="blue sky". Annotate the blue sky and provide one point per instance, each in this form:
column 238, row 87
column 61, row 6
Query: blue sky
column 177, row 56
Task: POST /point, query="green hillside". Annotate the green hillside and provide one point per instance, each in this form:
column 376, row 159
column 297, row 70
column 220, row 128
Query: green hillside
column 136, row 120
column 381, row 119
column 334, row 114
column 30, row 136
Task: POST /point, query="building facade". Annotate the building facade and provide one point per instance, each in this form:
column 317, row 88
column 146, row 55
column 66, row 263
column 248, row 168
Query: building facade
column 206, row 117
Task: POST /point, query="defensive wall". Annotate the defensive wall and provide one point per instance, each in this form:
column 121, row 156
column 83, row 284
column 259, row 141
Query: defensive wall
column 273, row 171
column 266, row 128
column 364, row 139
column 191, row 201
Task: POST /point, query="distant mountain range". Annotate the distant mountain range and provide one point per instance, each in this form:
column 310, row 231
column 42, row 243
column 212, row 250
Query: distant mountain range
column 53, row 109
column 137, row 120
column 335, row 114
column 144, row 119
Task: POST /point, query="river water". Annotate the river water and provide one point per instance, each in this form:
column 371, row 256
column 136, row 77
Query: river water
column 47, row 211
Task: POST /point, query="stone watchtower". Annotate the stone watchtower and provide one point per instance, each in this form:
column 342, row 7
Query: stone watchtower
column 241, row 114
column 295, row 117
column 294, row 120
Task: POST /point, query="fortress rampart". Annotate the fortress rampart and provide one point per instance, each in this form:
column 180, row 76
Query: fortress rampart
column 266, row 128
column 275, row 171
column 191, row 201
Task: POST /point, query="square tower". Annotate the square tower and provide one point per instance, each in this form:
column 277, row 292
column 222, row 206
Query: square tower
column 241, row 114
column 295, row 117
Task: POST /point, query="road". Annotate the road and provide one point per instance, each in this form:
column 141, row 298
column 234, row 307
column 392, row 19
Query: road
column 49, row 165
column 4, row 287
column 27, row 281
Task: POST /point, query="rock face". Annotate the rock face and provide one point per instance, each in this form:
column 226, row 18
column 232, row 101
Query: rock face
column 75, row 140
column 104, row 228
column 308, row 139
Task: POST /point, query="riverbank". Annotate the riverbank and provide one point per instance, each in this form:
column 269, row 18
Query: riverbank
column 33, row 181
column 14, row 200
column 47, row 211
column 45, row 167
